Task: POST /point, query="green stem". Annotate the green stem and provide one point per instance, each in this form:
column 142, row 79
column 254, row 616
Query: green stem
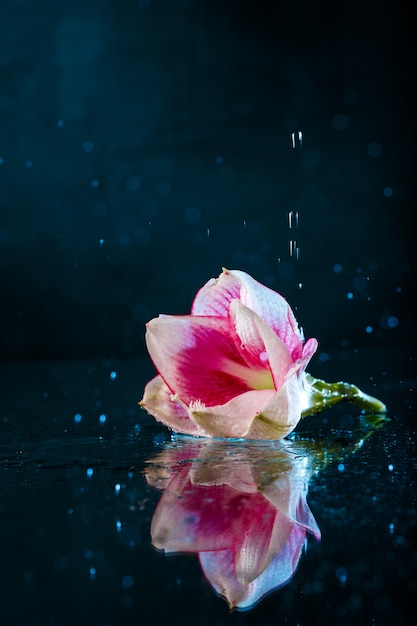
column 325, row 394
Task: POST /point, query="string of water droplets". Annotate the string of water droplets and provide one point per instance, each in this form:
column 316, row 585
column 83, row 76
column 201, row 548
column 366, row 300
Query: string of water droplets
column 293, row 217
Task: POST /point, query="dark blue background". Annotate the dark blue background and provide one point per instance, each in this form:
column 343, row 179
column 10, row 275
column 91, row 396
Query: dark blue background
column 163, row 128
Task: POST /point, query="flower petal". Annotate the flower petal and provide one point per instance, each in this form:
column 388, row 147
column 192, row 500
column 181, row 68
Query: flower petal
column 232, row 419
column 206, row 518
column 281, row 414
column 198, row 358
column 157, row 400
column 215, row 297
column 220, row 569
column 288, row 494
column 259, row 342
column 262, row 414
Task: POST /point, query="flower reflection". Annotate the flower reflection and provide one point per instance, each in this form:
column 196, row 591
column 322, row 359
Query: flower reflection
column 241, row 507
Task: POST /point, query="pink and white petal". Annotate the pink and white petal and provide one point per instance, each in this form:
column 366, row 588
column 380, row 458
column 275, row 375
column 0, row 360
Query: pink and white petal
column 205, row 517
column 219, row 569
column 157, row 400
column 288, row 494
column 299, row 366
column 272, row 308
column 232, row 419
column 259, row 344
column 199, row 524
column 260, row 544
column 309, row 349
column 197, row 358
column 279, row 571
column 281, row 414
column 214, row 298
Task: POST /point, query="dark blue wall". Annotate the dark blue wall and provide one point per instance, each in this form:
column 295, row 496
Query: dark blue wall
column 144, row 144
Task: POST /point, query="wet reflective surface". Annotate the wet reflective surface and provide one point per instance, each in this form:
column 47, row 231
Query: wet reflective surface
column 106, row 519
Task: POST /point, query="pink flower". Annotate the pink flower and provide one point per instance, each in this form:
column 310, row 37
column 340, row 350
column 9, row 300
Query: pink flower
column 235, row 367
column 243, row 511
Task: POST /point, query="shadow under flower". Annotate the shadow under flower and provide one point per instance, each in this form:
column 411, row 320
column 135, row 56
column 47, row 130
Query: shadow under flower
column 241, row 506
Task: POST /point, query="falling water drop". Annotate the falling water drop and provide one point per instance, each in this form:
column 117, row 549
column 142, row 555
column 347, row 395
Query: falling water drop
column 293, row 219
column 208, row 233
column 297, row 139
column 293, row 248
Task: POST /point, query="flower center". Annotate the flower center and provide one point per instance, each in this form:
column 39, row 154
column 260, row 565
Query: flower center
column 254, row 378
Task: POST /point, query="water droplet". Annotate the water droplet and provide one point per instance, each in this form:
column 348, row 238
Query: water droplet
column 350, row 296
column 293, row 247
column 118, row 526
column 369, row 329
column 88, row 146
column 101, row 242
column 77, row 418
column 341, row 573
column 127, row 581
column 300, row 285
column 102, row 419
column 208, row 233
column 391, row 528
column 390, row 467
column 297, row 139
column 92, row 572
column 389, row 321
column 293, row 219
column 113, row 375
column 341, row 467
column 117, row 488
column 337, row 268
column 244, row 223
column 90, row 472
column 94, row 183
